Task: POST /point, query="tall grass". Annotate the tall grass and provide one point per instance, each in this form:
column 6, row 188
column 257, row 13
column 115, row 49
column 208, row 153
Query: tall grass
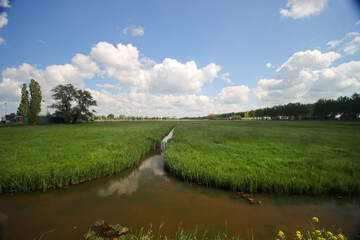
column 100, row 232
column 269, row 156
column 49, row 156
column 182, row 234
column 106, row 231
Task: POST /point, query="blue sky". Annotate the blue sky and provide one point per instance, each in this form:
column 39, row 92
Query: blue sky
column 181, row 58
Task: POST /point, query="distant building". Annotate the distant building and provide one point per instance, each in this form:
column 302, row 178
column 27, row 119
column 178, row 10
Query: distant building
column 12, row 118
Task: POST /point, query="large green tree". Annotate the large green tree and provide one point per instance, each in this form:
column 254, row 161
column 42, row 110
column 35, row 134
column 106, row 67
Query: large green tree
column 66, row 96
column 84, row 100
column 23, row 108
column 35, row 101
column 355, row 106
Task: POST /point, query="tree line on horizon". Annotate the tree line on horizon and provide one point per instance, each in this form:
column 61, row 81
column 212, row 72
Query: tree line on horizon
column 344, row 108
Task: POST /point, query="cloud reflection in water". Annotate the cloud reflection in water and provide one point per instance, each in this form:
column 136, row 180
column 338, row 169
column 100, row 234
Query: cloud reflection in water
column 150, row 168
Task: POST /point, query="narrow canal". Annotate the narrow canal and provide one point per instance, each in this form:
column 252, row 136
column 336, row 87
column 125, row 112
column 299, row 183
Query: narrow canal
column 148, row 195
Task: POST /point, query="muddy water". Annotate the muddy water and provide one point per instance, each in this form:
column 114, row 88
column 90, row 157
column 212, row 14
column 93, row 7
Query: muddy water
column 148, row 195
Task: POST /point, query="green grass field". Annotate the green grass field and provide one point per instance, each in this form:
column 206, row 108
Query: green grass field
column 48, row 156
column 297, row 157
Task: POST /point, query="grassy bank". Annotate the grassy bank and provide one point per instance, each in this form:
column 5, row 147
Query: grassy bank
column 269, row 156
column 102, row 230
column 49, row 156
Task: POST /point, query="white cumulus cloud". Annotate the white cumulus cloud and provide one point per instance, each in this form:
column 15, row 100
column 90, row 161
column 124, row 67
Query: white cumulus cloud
column 120, row 62
column 307, row 60
column 4, row 3
column 340, row 80
column 142, row 103
column 134, row 30
column 121, row 56
column 171, row 76
column 234, row 94
column 269, row 82
column 297, row 9
column 2, row 41
column 305, row 75
column 3, row 19
column 142, row 86
column 85, row 65
column 268, row 65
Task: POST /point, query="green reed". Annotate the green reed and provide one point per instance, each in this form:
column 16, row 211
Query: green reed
column 293, row 157
column 49, row 156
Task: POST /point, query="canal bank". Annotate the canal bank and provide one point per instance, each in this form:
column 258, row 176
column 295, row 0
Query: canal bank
column 148, row 195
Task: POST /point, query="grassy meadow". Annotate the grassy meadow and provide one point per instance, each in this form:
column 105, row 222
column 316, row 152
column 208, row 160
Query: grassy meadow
column 292, row 157
column 49, row 156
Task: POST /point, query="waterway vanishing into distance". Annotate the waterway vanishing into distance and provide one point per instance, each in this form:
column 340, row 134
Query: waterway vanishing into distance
column 147, row 195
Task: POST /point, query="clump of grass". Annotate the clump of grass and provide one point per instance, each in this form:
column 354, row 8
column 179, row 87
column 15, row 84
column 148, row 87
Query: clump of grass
column 36, row 158
column 98, row 232
column 268, row 156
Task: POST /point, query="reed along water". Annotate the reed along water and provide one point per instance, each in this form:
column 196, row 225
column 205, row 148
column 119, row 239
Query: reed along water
column 148, row 195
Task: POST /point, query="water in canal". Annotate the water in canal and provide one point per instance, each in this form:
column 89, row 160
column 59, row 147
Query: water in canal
column 148, row 195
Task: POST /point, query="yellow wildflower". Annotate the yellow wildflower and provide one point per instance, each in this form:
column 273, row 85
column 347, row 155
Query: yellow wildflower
column 315, row 219
column 281, row 234
column 329, row 234
column 334, row 238
column 298, row 235
column 341, row 237
column 318, row 232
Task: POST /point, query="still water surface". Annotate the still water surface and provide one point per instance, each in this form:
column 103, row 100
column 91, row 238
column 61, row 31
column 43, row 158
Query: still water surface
column 148, row 195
